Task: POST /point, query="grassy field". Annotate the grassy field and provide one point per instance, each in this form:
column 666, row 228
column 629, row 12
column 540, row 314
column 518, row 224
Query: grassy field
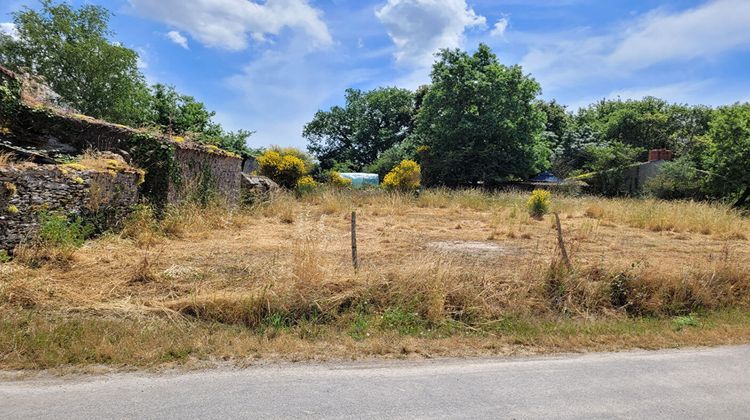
column 443, row 274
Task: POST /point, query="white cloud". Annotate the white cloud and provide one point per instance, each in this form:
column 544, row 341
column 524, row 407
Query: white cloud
column 10, row 29
column 713, row 28
column 226, row 24
column 178, row 39
column 500, row 27
column 419, row 28
column 580, row 56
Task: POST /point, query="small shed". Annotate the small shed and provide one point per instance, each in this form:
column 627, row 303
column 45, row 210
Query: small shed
column 362, row 180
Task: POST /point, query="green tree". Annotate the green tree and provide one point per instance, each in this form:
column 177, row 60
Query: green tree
column 648, row 123
column 359, row 132
column 729, row 160
column 179, row 114
column 480, row 121
column 607, row 163
column 72, row 51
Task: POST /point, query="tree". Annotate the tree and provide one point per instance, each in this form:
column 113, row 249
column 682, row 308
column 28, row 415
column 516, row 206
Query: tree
column 480, row 122
column 358, row 133
column 729, row 160
column 71, row 50
column 179, row 114
column 558, row 120
column 606, row 162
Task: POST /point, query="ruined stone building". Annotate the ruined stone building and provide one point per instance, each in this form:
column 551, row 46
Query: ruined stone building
column 43, row 137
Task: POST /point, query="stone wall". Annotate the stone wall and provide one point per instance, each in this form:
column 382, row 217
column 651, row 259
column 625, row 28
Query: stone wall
column 104, row 197
column 204, row 174
column 40, row 131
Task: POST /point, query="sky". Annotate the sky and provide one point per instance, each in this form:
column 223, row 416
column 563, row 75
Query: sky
column 268, row 66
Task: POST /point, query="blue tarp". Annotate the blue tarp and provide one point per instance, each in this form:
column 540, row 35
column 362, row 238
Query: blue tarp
column 361, row 180
column 546, row 176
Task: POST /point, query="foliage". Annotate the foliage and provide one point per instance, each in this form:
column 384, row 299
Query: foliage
column 648, row 123
column 71, row 50
column 157, row 158
column 358, row 133
column 285, row 166
column 606, row 167
column 558, row 121
column 335, row 179
column 406, row 176
column 480, row 121
column 729, row 161
column 306, row 184
column 179, row 114
column 407, row 149
column 679, row 179
column 538, row 203
column 60, row 231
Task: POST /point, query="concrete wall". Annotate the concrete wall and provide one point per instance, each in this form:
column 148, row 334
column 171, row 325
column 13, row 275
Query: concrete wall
column 28, row 189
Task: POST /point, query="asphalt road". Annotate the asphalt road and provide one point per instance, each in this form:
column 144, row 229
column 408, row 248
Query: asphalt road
column 705, row 383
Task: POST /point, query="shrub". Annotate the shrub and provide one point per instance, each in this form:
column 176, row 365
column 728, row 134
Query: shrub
column 338, row 181
column 406, row 176
column 538, row 203
column 57, row 240
column 676, row 180
column 285, row 169
column 58, row 230
column 306, row 184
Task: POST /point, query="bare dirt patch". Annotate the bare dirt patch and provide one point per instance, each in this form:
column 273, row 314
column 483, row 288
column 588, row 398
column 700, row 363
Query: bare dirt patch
column 474, row 248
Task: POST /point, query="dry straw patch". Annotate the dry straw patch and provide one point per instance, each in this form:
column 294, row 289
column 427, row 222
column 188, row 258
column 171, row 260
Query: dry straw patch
column 254, row 281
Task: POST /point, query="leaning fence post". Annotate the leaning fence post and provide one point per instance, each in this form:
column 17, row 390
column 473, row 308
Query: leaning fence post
column 561, row 242
column 355, row 259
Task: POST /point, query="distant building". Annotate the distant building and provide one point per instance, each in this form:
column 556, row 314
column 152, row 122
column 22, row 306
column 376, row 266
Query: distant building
column 628, row 180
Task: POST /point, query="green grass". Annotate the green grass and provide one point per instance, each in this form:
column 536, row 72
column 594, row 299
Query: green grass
column 34, row 340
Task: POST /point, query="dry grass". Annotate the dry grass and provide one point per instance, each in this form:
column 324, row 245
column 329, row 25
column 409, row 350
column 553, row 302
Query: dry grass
column 5, row 159
column 276, row 280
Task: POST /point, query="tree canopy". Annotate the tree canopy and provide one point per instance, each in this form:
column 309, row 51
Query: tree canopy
column 71, row 50
column 356, row 134
column 480, row 121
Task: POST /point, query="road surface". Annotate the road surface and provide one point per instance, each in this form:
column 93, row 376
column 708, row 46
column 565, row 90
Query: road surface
column 702, row 383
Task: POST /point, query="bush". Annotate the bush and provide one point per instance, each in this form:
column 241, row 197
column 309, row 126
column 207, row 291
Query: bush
column 539, row 202
column 338, row 181
column 406, row 176
column 306, row 184
column 57, row 240
column 59, row 231
column 286, row 169
column 677, row 180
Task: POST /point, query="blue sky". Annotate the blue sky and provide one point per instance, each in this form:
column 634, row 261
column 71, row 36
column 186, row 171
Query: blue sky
column 269, row 65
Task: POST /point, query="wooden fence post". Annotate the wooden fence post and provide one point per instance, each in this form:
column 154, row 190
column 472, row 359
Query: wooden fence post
column 355, row 259
column 561, row 243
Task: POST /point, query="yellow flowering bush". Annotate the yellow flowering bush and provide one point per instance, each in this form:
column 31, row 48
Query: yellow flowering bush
column 406, row 176
column 12, row 209
column 338, row 181
column 285, row 169
column 306, row 184
column 539, row 202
